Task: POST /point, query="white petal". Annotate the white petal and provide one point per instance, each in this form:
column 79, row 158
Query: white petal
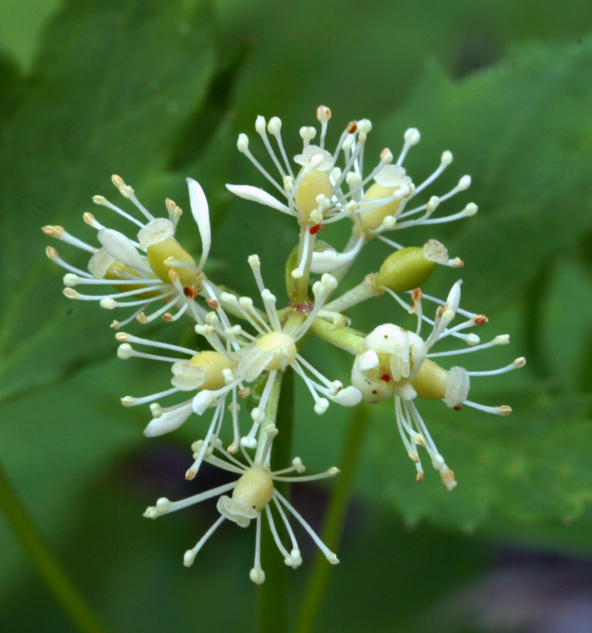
column 457, row 388
column 435, row 252
column 453, row 299
column 201, row 213
column 313, row 153
column 392, row 176
column 187, row 377
column 368, row 360
column 329, row 261
column 100, row 263
column 254, row 194
column 168, row 421
column 203, row 400
column 155, row 231
column 348, row 397
column 122, row 249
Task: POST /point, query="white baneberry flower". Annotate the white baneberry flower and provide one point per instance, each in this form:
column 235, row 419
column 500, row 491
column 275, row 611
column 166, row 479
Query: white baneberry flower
column 394, row 361
column 274, row 348
column 253, row 493
column 323, row 192
column 138, row 270
column 210, row 374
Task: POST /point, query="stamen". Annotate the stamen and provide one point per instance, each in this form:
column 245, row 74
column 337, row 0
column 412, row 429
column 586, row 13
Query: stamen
column 323, row 115
column 260, row 125
column 125, row 351
column 173, row 506
column 503, row 410
column 411, row 137
column 142, row 318
column 169, row 318
column 61, row 234
column 257, row 575
column 289, row 529
column 101, row 201
column 234, row 302
column 190, row 555
column 498, row 340
column 274, row 128
column 328, row 473
column 53, row 255
column 276, row 536
column 517, row 364
column 444, row 162
column 190, row 474
column 129, row 401
column 331, row 557
column 127, row 192
column 396, row 246
column 243, row 147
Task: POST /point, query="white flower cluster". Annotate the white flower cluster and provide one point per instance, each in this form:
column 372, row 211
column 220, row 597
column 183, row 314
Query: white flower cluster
column 246, row 349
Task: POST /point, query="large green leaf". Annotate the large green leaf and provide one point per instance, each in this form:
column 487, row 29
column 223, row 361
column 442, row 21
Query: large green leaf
column 103, row 98
column 523, row 130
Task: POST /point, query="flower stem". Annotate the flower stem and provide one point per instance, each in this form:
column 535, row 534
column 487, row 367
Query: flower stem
column 54, row 576
column 273, row 593
column 334, row 520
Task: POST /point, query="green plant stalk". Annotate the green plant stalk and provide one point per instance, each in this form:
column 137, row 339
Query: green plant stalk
column 334, row 520
column 54, row 576
column 273, row 593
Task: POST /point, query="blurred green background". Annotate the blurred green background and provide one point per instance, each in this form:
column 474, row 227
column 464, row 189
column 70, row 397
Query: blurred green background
column 157, row 91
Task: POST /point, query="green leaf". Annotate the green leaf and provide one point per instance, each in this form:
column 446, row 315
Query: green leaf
column 105, row 98
column 523, row 131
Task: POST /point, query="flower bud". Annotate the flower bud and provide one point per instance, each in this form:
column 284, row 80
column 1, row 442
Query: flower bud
column 405, row 269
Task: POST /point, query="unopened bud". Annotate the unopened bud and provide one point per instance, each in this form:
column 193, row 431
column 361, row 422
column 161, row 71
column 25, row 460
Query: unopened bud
column 405, row 269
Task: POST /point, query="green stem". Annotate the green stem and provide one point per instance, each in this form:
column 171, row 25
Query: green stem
column 56, row 579
column 273, row 593
column 334, row 520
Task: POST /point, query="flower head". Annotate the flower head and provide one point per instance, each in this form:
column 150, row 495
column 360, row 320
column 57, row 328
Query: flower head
column 138, row 270
column 325, row 190
column 252, row 493
column 394, row 361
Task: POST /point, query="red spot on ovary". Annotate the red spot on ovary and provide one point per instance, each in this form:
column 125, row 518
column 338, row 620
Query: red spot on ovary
column 315, row 229
column 385, row 377
column 457, row 407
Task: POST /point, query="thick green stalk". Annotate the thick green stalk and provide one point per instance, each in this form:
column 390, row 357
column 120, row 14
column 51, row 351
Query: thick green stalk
column 54, row 576
column 334, row 520
column 273, row 593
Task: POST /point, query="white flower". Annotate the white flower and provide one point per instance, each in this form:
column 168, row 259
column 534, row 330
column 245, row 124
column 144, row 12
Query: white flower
column 322, row 192
column 138, row 269
column 393, row 361
column 252, row 494
column 274, row 348
column 209, row 373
